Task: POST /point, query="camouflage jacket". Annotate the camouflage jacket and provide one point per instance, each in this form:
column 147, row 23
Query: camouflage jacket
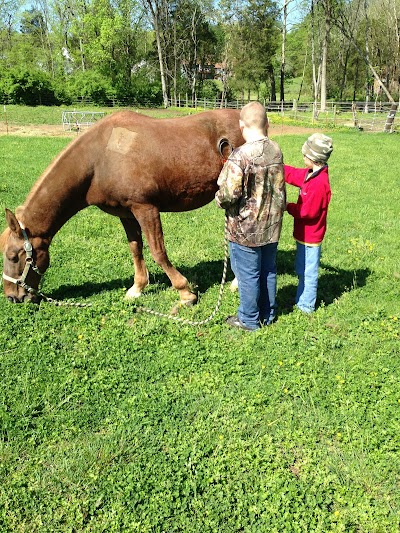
column 252, row 191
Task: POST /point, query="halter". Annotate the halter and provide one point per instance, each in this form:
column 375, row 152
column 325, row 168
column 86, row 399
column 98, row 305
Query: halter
column 29, row 267
column 223, row 143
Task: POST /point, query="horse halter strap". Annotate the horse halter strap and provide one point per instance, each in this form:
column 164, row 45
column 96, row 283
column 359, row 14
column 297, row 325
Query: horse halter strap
column 29, row 266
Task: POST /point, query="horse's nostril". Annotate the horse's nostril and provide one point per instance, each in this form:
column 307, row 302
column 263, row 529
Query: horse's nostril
column 14, row 299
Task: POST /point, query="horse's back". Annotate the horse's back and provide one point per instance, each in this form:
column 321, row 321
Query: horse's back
column 171, row 163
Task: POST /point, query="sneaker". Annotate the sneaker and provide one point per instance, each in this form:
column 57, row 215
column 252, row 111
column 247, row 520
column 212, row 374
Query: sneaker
column 236, row 323
column 266, row 323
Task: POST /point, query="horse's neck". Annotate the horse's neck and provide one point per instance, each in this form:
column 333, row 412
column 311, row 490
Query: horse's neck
column 58, row 194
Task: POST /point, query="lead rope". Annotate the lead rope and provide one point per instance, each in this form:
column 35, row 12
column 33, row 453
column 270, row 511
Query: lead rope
column 218, row 304
column 61, row 303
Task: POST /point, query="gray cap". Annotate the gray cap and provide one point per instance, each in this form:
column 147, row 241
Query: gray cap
column 318, row 148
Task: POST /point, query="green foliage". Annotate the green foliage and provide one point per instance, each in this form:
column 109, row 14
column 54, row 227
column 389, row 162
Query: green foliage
column 210, row 89
column 29, row 87
column 90, row 85
column 144, row 88
column 112, row 420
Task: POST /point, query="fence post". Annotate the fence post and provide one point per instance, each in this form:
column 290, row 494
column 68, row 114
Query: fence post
column 5, row 116
column 390, row 118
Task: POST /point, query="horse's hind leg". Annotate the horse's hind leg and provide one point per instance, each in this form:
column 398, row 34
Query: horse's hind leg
column 149, row 219
column 141, row 277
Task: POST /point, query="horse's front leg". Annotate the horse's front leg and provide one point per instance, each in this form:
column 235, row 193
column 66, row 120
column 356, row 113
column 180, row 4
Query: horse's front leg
column 148, row 217
column 141, row 276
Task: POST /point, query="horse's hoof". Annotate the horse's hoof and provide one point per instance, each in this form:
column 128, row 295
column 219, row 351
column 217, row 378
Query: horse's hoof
column 133, row 292
column 188, row 302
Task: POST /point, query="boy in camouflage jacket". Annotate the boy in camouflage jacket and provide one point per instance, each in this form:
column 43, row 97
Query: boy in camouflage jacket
column 252, row 191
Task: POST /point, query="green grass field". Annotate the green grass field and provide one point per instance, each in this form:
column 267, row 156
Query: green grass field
column 113, row 421
column 16, row 115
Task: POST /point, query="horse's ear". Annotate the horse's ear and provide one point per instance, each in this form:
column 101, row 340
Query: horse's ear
column 13, row 223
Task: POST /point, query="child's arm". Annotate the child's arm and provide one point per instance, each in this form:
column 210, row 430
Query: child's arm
column 230, row 184
column 295, row 176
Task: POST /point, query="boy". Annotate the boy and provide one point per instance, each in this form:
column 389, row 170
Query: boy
column 310, row 214
column 252, row 190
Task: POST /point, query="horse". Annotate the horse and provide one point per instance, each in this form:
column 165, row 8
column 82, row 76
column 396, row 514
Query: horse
column 131, row 166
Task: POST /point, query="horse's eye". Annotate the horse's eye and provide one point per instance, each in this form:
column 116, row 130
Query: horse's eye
column 13, row 257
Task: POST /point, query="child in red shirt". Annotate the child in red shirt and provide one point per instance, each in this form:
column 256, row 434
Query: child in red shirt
column 310, row 214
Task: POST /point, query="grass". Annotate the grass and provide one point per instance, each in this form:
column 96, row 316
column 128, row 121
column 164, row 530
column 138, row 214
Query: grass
column 112, row 420
column 15, row 115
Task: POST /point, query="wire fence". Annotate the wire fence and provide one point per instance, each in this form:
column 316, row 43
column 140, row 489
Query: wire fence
column 371, row 116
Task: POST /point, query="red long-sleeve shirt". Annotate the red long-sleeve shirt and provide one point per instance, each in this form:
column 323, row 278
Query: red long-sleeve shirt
column 310, row 211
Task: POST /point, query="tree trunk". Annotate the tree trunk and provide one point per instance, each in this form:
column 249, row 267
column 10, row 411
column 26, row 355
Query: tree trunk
column 390, row 118
column 283, row 59
column 194, row 40
column 325, row 46
column 339, row 21
column 315, row 70
column 366, row 55
column 273, row 85
column 155, row 14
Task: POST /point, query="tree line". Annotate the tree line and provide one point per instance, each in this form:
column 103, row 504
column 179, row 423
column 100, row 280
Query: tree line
column 57, row 51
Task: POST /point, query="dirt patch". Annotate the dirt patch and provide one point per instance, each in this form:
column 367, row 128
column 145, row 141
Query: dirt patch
column 56, row 130
column 36, row 130
column 291, row 130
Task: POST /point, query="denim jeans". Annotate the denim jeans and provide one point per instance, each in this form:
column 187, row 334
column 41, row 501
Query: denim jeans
column 255, row 270
column 307, row 264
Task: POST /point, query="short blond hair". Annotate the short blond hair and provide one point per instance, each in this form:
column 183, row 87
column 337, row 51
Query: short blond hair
column 254, row 115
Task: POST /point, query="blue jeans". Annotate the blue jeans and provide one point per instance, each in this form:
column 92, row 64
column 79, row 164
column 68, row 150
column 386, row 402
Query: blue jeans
column 255, row 270
column 307, row 264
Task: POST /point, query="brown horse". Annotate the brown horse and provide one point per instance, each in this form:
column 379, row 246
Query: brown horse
column 131, row 166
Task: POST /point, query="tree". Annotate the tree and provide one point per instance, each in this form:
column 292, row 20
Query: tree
column 341, row 21
column 158, row 11
column 255, row 36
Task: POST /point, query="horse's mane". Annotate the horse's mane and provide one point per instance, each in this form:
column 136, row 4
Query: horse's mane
column 36, row 186
column 3, row 238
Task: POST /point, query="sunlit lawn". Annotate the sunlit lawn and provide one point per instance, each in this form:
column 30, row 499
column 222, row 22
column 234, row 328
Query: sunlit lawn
column 112, row 420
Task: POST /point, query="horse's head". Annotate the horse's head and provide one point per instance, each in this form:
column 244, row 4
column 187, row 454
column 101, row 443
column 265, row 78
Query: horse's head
column 25, row 260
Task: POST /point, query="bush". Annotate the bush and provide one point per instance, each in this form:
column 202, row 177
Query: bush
column 210, row 90
column 28, row 87
column 90, row 85
column 144, row 88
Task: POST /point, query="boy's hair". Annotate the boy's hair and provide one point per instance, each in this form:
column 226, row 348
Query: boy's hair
column 254, row 115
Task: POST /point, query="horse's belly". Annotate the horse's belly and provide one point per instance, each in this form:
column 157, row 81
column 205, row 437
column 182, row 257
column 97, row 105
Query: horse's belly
column 187, row 200
column 119, row 212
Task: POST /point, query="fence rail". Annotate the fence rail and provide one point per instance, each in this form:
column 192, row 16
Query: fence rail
column 78, row 120
column 369, row 116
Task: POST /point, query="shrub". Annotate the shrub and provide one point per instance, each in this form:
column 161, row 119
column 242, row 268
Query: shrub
column 32, row 87
column 90, row 85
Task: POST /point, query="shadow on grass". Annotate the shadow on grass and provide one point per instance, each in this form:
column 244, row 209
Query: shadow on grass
column 201, row 277
column 333, row 282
